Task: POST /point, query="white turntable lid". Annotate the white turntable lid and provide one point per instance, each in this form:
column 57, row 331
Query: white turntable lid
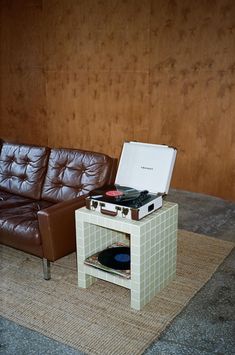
column 146, row 166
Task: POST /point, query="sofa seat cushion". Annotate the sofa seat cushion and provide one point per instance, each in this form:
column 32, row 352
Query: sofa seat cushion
column 72, row 173
column 23, row 169
column 19, row 226
column 8, row 200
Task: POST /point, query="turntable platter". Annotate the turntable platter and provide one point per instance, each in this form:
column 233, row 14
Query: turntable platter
column 117, row 193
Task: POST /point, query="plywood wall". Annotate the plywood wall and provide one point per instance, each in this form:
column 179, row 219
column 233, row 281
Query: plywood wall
column 23, row 110
column 95, row 73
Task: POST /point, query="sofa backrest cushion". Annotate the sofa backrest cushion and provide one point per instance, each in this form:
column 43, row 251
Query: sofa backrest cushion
column 23, row 169
column 72, row 173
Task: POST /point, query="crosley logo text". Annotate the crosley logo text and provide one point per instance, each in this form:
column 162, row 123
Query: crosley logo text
column 146, row 167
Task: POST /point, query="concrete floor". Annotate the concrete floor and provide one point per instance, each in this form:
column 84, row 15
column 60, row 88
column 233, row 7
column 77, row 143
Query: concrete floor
column 205, row 326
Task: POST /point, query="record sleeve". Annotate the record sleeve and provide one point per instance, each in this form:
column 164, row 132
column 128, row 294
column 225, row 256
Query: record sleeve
column 93, row 261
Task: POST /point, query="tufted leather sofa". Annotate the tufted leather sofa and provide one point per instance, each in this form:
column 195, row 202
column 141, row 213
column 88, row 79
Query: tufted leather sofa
column 40, row 189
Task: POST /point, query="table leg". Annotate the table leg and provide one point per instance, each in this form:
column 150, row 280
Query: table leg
column 85, row 280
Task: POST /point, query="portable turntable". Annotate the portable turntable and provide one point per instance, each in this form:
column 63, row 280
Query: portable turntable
column 143, row 178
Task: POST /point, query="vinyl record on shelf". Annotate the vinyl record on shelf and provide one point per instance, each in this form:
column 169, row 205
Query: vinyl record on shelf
column 117, row 258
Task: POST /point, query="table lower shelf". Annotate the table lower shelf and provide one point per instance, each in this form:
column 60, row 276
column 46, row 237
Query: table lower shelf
column 104, row 275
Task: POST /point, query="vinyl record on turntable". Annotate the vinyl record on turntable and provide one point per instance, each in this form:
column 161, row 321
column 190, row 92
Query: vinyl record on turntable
column 121, row 193
column 121, row 190
column 102, row 190
column 117, row 258
column 116, row 193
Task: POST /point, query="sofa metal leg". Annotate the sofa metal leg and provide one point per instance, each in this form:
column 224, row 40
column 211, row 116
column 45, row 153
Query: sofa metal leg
column 46, row 269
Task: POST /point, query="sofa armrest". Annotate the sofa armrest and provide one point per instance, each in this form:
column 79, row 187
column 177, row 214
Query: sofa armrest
column 57, row 228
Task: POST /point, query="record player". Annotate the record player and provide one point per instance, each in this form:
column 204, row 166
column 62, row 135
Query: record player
column 143, row 178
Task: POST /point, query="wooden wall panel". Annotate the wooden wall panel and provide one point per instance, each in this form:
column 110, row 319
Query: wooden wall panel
column 92, row 74
column 67, row 108
column 192, row 90
column 21, row 44
column 23, row 110
column 117, row 107
column 23, row 114
column 1, row 67
column 91, row 110
column 97, row 35
column 96, row 57
column 204, row 146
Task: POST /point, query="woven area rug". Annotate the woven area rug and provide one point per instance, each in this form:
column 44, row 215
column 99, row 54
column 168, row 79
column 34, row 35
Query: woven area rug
column 99, row 320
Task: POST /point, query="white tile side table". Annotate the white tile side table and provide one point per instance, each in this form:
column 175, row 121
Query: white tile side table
column 153, row 249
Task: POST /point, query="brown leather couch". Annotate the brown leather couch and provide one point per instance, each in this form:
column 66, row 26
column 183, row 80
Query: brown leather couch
column 40, row 189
